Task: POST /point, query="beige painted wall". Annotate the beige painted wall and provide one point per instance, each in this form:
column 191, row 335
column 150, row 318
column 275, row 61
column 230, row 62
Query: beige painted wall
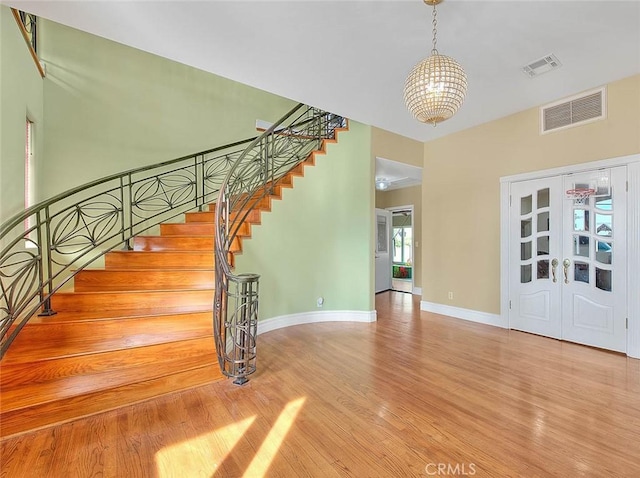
column 461, row 189
column 387, row 145
column 405, row 197
column 20, row 98
column 110, row 108
column 318, row 240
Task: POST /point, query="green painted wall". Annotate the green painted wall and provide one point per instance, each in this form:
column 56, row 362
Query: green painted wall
column 20, row 97
column 318, row 240
column 110, row 108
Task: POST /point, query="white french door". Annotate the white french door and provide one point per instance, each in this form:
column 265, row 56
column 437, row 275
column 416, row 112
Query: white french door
column 383, row 252
column 567, row 258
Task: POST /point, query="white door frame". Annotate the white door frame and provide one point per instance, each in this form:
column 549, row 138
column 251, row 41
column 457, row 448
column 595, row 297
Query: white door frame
column 413, row 241
column 633, row 237
column 378, row 277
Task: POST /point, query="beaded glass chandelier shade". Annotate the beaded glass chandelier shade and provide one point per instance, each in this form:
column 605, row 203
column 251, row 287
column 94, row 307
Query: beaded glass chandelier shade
column 436, row 87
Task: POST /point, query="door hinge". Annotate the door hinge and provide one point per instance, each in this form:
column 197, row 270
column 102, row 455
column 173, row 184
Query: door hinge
column 626, row 323
column 509, row 305
column 627, row 186
column 509, row 200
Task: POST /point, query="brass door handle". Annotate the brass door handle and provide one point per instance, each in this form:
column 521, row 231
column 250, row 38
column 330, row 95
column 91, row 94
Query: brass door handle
column 554, row 265
column 565, row 265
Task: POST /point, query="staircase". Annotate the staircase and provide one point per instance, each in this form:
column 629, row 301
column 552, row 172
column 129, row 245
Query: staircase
column 136, row 329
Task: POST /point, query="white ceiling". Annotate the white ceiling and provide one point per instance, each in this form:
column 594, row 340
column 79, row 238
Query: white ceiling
column 352, row 57
column 398, row 175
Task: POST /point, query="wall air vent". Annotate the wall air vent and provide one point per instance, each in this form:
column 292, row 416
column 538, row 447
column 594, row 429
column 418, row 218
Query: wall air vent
column 577, row 110
column 543, row 65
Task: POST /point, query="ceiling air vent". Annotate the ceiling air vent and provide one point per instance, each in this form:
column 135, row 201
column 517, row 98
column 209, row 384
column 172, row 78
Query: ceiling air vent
column 577, row 110
column 543, row 65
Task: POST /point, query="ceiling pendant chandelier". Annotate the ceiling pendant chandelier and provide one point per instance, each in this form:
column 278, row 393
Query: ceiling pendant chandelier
column 436, row 87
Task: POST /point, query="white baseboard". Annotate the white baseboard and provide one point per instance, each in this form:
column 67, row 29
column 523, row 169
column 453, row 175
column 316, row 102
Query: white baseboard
column 465, row 314
column 417, row 291
column 279, row 322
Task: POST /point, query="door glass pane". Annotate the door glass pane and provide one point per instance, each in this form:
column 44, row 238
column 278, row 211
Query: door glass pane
column 543, row 198
column 525, row 251
column 397, row 244
column 543, row 221
column 525, row 205
column 383, row 245
column 604, row 225
column 603, row 252
column 604, row 203
column 543, row 245
column 580, row 220
column 581, row 272
column 603, row 279
column 543, row 269
column 581, row 246
column 406, row 245
column 525, row 273
column 525, row 228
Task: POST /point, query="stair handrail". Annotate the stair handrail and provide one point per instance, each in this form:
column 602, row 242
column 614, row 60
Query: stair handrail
column 253, row 177
column 43, row 247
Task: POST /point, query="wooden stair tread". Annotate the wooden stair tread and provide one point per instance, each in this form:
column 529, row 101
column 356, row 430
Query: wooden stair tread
column 185, row 242
column 65, row 388
column 88, row 293
column 153, row 270
column 180, row 299
column 53, row 413
column 29, row 373
column 68, row 340
column 118, row 279
column 164, row 253
column 99, row 315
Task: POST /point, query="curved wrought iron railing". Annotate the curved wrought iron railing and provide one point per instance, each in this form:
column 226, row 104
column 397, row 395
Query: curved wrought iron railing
column 42, row 248
column 251, row 178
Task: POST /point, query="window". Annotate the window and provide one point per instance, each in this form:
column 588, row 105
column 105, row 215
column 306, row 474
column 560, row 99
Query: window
column 402, row 240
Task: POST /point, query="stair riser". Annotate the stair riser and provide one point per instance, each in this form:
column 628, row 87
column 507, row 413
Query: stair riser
column 159, row 260
column 253, row 216
column 128, row 280
column 188, row 229
column 198, row 217
column 173, row 243
column 173, row 232
column 263, row 204
column 178, row 301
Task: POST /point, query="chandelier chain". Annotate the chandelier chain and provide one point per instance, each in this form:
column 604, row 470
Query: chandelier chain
column 434, row 50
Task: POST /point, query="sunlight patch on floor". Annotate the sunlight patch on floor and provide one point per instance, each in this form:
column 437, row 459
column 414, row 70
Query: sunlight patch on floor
column 263, row 458
column 201, row 455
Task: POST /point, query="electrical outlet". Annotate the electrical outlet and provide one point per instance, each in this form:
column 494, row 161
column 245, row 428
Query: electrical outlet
column 320, row 302
column 450, row 295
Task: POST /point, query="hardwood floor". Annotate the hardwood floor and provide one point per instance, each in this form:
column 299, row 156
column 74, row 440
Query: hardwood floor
column 415, row 394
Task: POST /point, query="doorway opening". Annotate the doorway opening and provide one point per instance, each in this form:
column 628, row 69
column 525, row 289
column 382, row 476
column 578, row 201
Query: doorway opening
column 402, row 250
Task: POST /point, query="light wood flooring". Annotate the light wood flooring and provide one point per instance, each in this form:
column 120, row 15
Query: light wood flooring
column 415, row 394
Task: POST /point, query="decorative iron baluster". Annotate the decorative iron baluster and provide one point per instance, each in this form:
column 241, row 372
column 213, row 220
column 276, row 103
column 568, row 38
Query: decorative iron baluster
column 77, row 227
column 250, row 179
